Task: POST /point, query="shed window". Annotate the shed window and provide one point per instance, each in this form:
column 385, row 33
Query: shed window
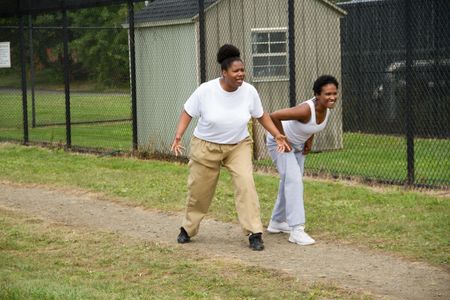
column 269, row 53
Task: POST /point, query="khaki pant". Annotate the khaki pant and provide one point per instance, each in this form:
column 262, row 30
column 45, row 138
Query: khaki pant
column 204, row 167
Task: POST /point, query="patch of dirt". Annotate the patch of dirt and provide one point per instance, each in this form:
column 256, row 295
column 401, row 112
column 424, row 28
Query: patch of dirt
column 345, row 266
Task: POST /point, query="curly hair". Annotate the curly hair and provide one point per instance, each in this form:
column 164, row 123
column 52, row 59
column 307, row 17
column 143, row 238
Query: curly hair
column 227, row 54
column 324, row 80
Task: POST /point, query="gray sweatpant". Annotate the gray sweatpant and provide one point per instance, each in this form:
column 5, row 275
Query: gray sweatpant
column 290, row 165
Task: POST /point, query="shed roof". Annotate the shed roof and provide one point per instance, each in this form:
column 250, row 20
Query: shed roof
column 165, row 10
column 359, row 1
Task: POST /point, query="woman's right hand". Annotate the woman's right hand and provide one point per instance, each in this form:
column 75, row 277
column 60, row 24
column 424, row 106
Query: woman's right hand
column 183, row 123
column 177, row 148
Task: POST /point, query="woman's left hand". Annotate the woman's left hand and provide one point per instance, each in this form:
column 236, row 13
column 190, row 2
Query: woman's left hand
column 282, row 143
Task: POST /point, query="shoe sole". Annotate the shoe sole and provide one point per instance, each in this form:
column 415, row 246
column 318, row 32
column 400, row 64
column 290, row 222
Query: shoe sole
column 257, row 249
column 271, row 230
column 302, row 244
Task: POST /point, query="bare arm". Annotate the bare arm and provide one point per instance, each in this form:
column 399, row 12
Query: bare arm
column 308, row 145
column 300, row 113
column 183, row 123
column 281, row 140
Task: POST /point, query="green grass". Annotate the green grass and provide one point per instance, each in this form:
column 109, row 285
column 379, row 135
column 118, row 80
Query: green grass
column 39, row 260
column 50, row 108
column 408, row 223
column 103, row 136
column 383, row 158
column 375, row 157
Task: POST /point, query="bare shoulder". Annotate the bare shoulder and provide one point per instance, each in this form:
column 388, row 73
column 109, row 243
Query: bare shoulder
column 303, row 112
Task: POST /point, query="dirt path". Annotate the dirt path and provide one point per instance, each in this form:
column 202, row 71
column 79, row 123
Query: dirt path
column 346, row 266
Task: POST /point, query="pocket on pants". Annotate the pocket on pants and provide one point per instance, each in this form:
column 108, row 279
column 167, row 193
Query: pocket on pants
column 212, row 148
column 196, row 148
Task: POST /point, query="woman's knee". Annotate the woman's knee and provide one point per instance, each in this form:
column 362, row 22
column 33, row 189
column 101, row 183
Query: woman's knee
column 292, row 174
column 242, row 182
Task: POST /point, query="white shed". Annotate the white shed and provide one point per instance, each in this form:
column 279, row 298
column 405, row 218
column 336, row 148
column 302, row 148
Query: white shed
column 167, row 59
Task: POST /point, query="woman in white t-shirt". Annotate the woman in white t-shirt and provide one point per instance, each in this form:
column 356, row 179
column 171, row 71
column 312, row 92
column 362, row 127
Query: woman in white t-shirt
column 299, row 124
column 223, row 107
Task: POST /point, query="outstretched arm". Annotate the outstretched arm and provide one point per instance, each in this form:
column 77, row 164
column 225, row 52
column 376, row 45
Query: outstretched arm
column 281, row 140
column 183, row 123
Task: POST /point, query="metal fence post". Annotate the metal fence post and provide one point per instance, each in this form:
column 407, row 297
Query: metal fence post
column 24, row 81
column 67, row 80
column 133, row 72
column 33, row 102
column 291, row 51
column 409, row 100
column 201, row 29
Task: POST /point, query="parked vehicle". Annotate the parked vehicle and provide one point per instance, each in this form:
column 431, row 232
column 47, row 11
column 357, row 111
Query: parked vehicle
column 429, row 95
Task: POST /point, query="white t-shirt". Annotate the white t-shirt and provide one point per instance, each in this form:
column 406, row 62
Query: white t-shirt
column 223, row 116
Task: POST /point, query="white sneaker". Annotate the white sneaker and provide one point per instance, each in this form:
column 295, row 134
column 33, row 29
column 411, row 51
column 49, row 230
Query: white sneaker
column 300, row 237
column 277, row 227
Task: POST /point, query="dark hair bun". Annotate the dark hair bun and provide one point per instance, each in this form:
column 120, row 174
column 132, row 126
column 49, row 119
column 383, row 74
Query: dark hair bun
column 227, row 51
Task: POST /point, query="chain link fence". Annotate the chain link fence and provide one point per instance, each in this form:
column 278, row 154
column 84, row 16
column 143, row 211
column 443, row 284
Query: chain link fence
column 395, row 84
column 97, row 104
column 391, row 58
column 11, row 113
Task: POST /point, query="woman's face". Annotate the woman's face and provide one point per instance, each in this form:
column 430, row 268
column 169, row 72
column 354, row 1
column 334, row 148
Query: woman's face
column 234, row 75
column 328, row 95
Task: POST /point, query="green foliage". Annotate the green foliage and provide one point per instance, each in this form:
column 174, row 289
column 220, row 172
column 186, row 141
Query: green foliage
column 45, row 40
column 101, row 53
column 98, row 46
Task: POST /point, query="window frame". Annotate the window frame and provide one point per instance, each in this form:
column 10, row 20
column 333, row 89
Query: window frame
column 259, row 78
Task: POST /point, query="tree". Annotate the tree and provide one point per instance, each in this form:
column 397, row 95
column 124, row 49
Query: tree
column 101, row 54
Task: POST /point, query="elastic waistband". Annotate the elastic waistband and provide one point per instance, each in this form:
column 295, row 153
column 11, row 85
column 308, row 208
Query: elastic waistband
column 246, row 139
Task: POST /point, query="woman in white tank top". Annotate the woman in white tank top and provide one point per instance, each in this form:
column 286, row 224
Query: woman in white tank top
column 298, row 124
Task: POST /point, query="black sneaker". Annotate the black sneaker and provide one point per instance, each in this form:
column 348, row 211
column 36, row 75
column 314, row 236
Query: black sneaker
column 256, row 242
column 183, row 237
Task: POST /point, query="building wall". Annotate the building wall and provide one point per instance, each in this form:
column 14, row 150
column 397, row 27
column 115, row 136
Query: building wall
column 165, row 77
column 317, row 52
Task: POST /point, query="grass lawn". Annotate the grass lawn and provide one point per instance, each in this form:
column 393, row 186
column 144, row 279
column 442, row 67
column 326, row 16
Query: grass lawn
column 50, row 108
column 39, row 260
column 370, row 156
column 115, row 136
column 384, row 158
column 411, row 224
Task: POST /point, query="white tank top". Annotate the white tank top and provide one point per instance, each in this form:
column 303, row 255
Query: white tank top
column 297, row 132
